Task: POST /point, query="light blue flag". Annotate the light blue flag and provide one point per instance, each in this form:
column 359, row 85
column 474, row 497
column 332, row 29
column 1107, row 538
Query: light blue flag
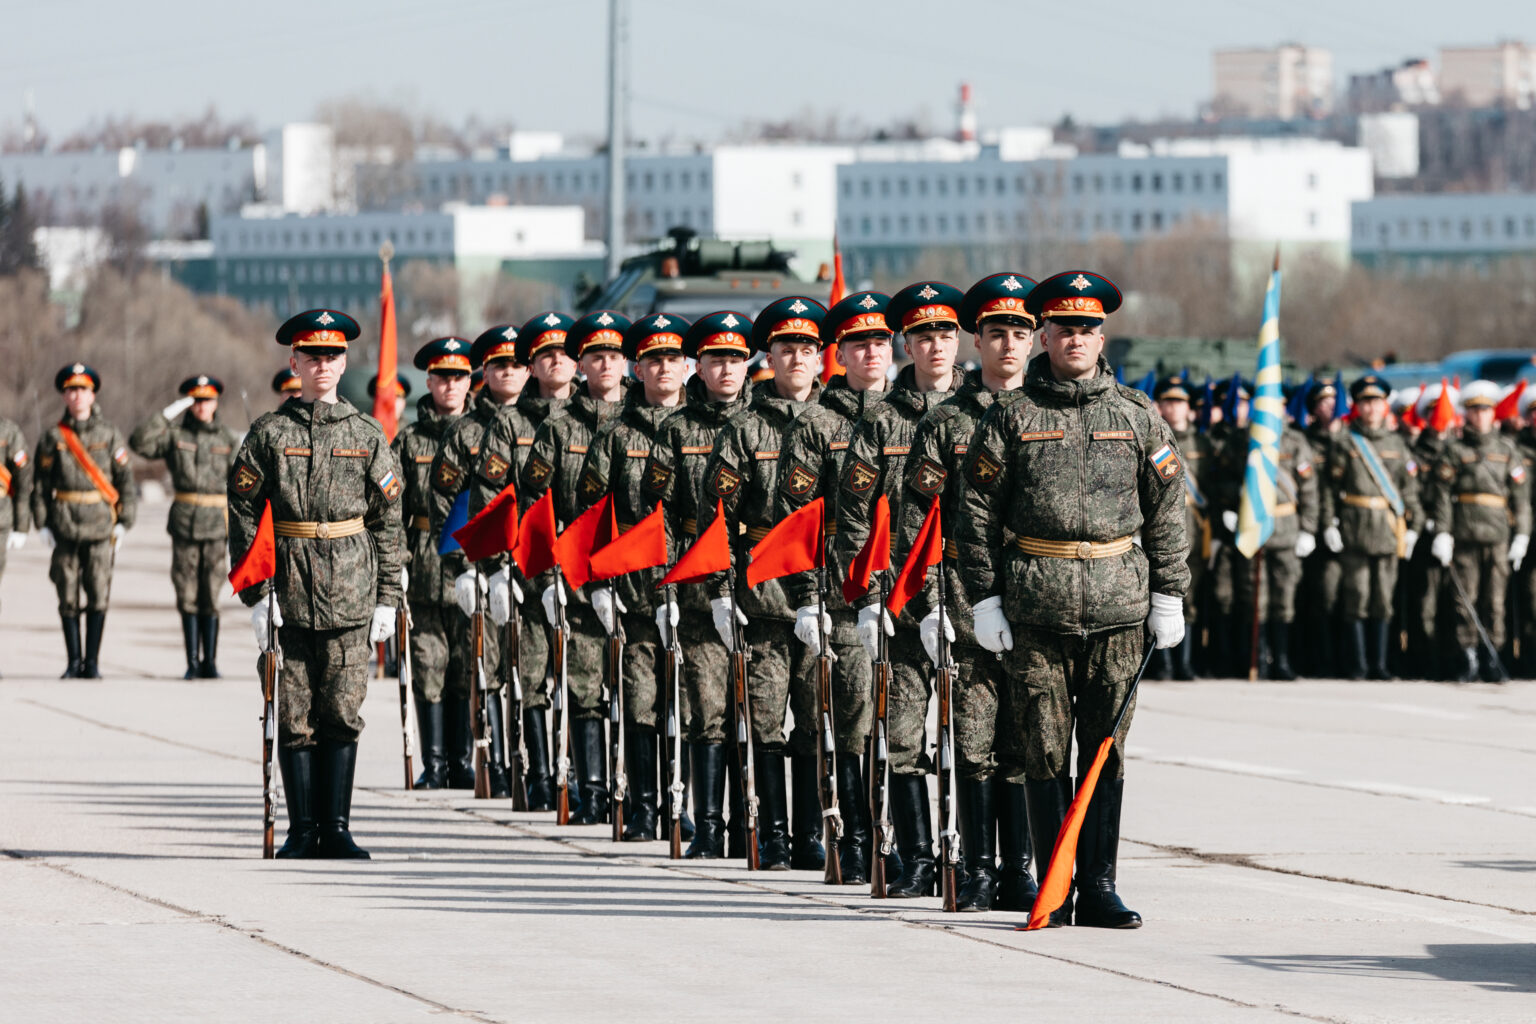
column 457, row 517
column 1256, row 509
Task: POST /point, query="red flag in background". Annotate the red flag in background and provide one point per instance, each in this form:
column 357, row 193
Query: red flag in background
column 536, row 538
column 260, row 561
column 927, row 549
column 710, row 554
column 494, row 528
column 642, row 546
column 875, row 556
column 831, row 366
column 794, row 545
column 388, row 384
column 1509, row 405
column 1443, row 416
column 593, row 529
column 1057, row 882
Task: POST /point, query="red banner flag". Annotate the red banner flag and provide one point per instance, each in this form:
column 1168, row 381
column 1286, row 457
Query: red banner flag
column 387, row 386
column 794, row 545
column 710, row 554
column 536, row 537
column 643, row 546
column 1509, row 405
column 494, row 528
column 593, row 529
column 260, row 561
column 1057, row 882
column 831, row 366
column 1443, row 416
column 927, row 549
column 875, row 556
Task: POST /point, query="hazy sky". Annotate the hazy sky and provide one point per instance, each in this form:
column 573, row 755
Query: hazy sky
column 699, row 67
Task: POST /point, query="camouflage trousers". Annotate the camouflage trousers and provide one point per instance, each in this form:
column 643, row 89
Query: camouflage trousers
column 322, row 683
column 644, row 667
column 585, row 649
column 907, row 709
column 979, row 687
column 1484, row 572
column 441, row 661
column 198, row 569
column 1047, row 676
column 1279, row 579
column 781, row 675
column 852, row 681
column 82, row 565
column 706, row 679
column 532, row 656
column 1366, row 585
column 1425, row 578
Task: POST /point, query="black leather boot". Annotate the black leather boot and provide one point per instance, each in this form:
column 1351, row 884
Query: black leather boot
column 95, row 623
column 208, row 637
column 1468, row 673
column 541, row 781
column 736, row 826
column 459, row 729
column 708, row 801
column 1354, row 649
column 71, row 624
column 1183, row 655
column 591, row 771
column 914, row 837
column 773, row 812
column 1381, row 632
column 189, row 641
column 978, row 844
column 495, row 718
column 1016, row 891
column 1226, row 662
column 297, row 767
column 806, row 854
column 335, row 764
column 1280, row 651
column 640, row 764
column 1048, row 800
column 1098, row 845
column 853, row 801
column 434, row 761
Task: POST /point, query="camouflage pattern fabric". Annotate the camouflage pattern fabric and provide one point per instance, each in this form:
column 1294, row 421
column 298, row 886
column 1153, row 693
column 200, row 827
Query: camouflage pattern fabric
column 57, row 470
column 198, row 456
column 977, row 710
column 81, row 571
column 322, row 683
column 705, row 686
column 199, row 569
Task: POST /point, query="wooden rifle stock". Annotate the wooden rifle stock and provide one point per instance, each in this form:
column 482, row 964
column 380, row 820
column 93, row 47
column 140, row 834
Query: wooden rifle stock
column 949, row 836
column 826, row 746
column 477, row 696
column 403, row 661
column 743, row 714
column 619, row 782
column 517, row 753
column 562, row 726
column 268, row 751
column 879, row 765
column 672, row 736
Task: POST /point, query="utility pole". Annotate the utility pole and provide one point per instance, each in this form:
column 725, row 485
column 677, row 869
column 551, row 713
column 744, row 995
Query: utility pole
column 617, row 51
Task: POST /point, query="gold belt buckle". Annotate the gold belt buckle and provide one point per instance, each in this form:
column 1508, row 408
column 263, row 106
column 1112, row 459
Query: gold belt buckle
column 1084, row 550
column 322, row 530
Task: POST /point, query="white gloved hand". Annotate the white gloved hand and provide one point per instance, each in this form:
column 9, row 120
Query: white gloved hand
column 991, row 625
column 871, row 617
column 928, row 633
column 499, row 597
column 553, row 599
column 1166, row 620
column 177, row 407
column 259, row 620
column 1442, row 548
column 1229, row 520
column 405, row 579
column 1410, row 541
column 383, row 626
column 47, row 536
column 464, row 591
column 16, row 541
column 1306, row 543
column 1517, row 548
column 118, row 533
column 1210, row 563
column 720, row 609
column 667, row 615
column 1333, row 540
column 604, row 601
column 805, row 627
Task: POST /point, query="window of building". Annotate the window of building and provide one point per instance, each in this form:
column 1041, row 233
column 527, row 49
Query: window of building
column 1020, row 222
column 922, row 186
column 959, row 186
column 865, row 226
column 1157, row 220
column 410, row 237
column 922, row 223
column 1312, row 180
column 885, row 226
column 1136, row 221
column 1424, row 229
column 865, row 188
column 941, row 185
column 1077, row 221
column 1136, row 183
column 239, row 273
column 1077, row 183
column 796, row 180
column 903, row 224
column 1098, row 184
column 902, row 186
column 1196, row 182
column 1216, row 183
column 650, row 181
column 1098, row 222
column 943, row 224
column 629, row 181
column 1466, row 229
column 847, row 189
column 1176, row 180
column 666, row 182
column 981, row 186
column 1117, row 183
column 703, row 179
column 885, row 188
column 1000, row 185
column 1312, row 220
column 1487, row 227
column 1039, row 183
column 685, row 179
column 559, row 182
column 301, row 273
column 1530, row 226
column 650, row 219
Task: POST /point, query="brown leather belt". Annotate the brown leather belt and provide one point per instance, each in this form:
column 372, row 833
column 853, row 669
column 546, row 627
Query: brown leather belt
column 321, row 531
column 420, row 522
column 1366, row 501
column 1286, row 509
column 1484, row 499
column 1078, row 549
column 79, row 497
column 202, row 500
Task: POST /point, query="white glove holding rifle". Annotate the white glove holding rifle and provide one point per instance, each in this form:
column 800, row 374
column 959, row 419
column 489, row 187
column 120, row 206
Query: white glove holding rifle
column 928, row 633
column 720, row 610
column 265, row 613
column 806, row 629
column 872, row 618
column 604, row 603
column 553, row 600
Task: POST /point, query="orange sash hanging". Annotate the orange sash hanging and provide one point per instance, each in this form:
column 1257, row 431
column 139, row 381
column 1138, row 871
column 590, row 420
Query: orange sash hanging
column 6, row 481
column 98, row 478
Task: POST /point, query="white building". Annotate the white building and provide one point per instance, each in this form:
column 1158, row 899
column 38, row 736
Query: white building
column 1424, row 233
column 1503, row 74
column 1392, row 139
column 1284, row 82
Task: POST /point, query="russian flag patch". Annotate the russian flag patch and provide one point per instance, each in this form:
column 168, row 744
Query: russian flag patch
column 390, row 485
column 1166, row 461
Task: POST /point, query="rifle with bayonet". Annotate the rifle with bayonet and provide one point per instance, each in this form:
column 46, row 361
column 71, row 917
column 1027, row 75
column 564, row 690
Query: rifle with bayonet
column 880, row 760
column 517, row 752
column 479, row 692
column 949, row 835
column 407, row 730
column 619, row 787
column 826, row 749
column 672, row 738
column 270, row 661
column 743, row 715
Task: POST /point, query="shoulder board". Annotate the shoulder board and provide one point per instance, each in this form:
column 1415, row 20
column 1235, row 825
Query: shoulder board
column 1134, row 396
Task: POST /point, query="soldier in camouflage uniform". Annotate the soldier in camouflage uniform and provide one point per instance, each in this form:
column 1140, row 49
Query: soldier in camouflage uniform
column 15, row 490
column 992, row 810
column 439, row 636
column 1371, row 503
column 1320, row 573
column 1426, row 576
column 560, row 445
column 812, row 462
column 1224, row 480
column 1523, row 624
column 1071, row 471
column 926, row 314
column 1482, row 510
column 741, row 477
column 84, row 503
column 197, row 450
column 286, row 383
column 674, row 476
column 1172, row 397
column 334, row 486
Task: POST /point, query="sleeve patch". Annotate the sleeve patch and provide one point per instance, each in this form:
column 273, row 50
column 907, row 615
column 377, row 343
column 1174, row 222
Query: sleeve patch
column 725, row 482
column 984, row 469
column 20, row 459
column 1517, row 474
column 1304, row 470
column 1042, row 435
column 538, row 470
column 494, row 467
column 448, row 476
column 1447, row 472
column 799, row 481
column 657, row 477
column 1166, row 461
column 861, row 476
column 245, row 479
column 120, row 456
column 390, row 485
column 927, row 477
column 592, row 485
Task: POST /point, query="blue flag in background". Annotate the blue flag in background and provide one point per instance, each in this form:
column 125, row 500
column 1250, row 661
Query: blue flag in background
column 1256, row 507
column 457, row 517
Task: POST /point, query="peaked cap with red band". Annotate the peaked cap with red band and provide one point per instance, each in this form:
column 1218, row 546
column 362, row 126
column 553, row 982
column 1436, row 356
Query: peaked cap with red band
column 1076, row 298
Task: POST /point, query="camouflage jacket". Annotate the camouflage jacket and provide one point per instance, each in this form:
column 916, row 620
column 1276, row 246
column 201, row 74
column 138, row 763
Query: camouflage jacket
column 1482, row 489
column 1069, row 462
column 16, row 494
column 58, row 470
column 471, row 459
column 1296, row 485
column 1351, row 488
column 198, row 455
column 1426, row 451
column 1197, row 452
column 876, row 464
column 674, row 474
column 742, row 475
column 812, row 463
column 417, row 446
column 321, row 463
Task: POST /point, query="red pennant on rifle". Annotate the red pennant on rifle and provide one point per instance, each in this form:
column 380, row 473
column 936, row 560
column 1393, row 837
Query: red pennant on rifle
column 260, row 561
column 536, row 537
column 710, row 554
column 1057, row 883
column 927, row 549
column 875, row 556
column 794, row 545
column 493, row 530
column 593, row 529
column 642, row 546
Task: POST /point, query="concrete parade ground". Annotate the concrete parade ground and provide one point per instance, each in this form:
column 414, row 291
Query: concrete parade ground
column 1320, row 851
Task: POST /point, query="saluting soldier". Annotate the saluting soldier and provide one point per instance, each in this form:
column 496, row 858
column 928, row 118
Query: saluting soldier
column 1172, row 398
column 992, row 810
column 812, row 463
column 15, row 490
column 742, row 476
column 1371, row 503
column 596, row 343
column 334, row 485
column 198, row 450
column 1057, row 483
column 1482, row 512
column 84, row 502
column 674, row 476
column 927, row 316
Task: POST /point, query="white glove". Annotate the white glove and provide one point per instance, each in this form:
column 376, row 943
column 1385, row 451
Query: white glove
column 720, row 609
column 1333, row 540
column 1517, row 548
column 1442, row 547
column 604, row 601
column 553, row 599
column 16, row 541
column 1166, row 620
column 259, row 620
column 383, row 625
column 667, row 615
column 870, row 619
column 499, row 599
column 1410, row 541
column 1210, row 563
column 928, row 633
column 1229, row 520
column 177, row 407
column 1306, row 543
column 805, row 627
column 118, row 533
column 464, row 591
column 991, row 625
column 405, row 579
